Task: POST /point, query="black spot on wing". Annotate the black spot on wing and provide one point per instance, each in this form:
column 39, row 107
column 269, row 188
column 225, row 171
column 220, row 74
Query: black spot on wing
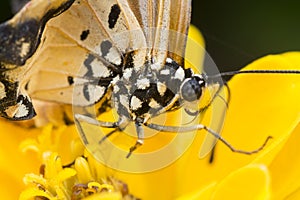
column 105, row 46
column 86, row 93
column 70, row 80
column 113, row 15
column 84, row 35
column 87, row 64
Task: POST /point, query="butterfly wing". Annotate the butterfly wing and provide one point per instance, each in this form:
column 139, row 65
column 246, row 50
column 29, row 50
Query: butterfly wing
column 84, row 48
column 87, row 42
column 165, row 25
column 19, row 39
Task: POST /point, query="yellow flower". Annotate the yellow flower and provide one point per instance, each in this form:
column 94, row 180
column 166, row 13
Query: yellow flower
column 77, row 181
column 261, row 106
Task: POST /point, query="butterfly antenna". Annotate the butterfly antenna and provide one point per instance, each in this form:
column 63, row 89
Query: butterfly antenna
column 232, row 73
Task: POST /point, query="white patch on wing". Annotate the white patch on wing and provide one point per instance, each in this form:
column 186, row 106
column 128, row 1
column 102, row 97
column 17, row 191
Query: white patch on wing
column 96, row 92
column 99, row 69
column 161, row 88
column 2, row 91
column 143, row 83
column 22, row 111
column 113, row 56
column 135, row 103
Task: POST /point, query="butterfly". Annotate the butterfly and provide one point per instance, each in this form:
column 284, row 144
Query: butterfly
column 125, row 55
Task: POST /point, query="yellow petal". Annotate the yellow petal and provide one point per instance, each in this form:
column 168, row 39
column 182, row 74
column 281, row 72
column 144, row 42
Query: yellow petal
column 195, row 49
column 53, row 165
column 285, row 168
column 65, row 174
column 204, row 193
column 13, row 163
column 30, row 193
column 251, row 182
column 262, row 105
column 69, row 146
column 105, row 196
column 84, row 173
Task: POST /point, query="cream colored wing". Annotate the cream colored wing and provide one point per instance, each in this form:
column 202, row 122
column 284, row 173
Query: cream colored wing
column 165, row 24
column 84, row 47
column 19, row 39
column 91, row 38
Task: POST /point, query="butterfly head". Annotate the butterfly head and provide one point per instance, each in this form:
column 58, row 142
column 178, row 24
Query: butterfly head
column 192, row 88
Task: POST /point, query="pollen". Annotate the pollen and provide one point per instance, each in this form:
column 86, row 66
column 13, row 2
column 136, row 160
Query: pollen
column 74, row 181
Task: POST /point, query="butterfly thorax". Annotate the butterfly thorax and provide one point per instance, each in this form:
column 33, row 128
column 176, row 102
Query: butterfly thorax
column 143, row 94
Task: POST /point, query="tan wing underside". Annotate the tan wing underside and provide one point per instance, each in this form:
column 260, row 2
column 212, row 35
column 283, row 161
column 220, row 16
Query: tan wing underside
column 62, row 52
column 165, row 24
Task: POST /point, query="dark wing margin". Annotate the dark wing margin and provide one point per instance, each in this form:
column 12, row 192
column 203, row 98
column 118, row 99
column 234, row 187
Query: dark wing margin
column 20, row 36
column 19, row 39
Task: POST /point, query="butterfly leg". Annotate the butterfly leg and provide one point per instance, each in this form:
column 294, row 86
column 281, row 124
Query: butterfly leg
column 140, row 140
column 179, row 129
column 169, row 106
column 96, row 122
column 83, row 118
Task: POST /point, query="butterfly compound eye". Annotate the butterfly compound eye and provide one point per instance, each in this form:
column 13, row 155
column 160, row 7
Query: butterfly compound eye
column 191, row 88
